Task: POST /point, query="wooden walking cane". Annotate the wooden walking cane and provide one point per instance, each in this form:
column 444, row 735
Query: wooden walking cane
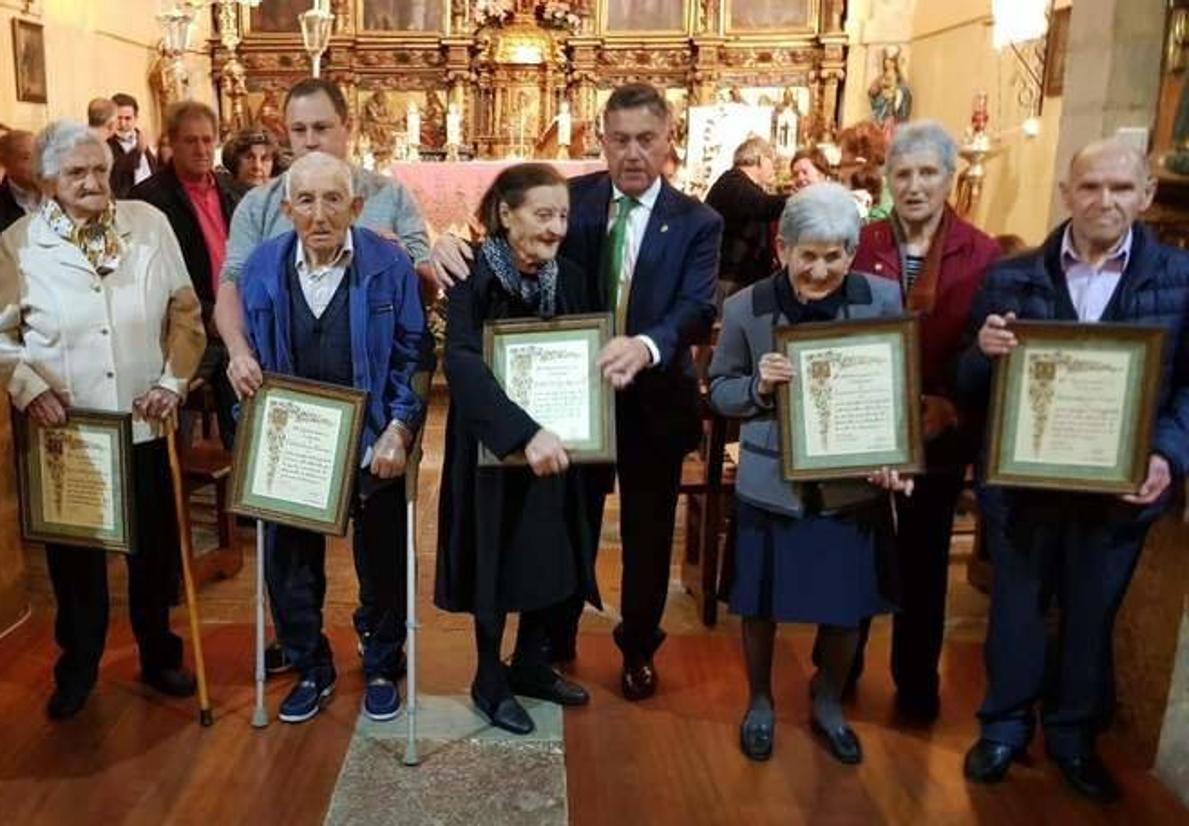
column 183, row 516
column 421, row 383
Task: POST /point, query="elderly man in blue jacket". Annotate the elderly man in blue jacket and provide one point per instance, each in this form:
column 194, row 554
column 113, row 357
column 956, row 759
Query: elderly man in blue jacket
column 339, row 304
column 1101, row 266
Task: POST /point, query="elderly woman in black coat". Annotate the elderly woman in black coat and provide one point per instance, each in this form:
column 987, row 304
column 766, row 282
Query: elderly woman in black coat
column 512, row 539
column 805, row 552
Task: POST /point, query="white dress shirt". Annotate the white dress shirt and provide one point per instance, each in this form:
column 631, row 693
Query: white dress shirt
column 1091, row 287
column 637, row 226
column 99, row 342
column 128, row 144
column 318, row 284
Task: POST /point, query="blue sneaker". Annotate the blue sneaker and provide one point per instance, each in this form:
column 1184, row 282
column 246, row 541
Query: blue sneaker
column 306, row 699
column 381, row 699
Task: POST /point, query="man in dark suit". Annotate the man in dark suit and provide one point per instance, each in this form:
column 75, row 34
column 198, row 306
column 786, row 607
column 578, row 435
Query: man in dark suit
column 19, row 194
column 198, row 205
column 748, row 210
column 132, row 160
column 652, row 255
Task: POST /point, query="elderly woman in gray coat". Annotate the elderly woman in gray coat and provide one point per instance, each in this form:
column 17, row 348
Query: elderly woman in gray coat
column 805, row 552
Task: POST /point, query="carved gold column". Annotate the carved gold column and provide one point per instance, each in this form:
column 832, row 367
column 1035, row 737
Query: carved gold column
column 832, row 73
column 459, row 81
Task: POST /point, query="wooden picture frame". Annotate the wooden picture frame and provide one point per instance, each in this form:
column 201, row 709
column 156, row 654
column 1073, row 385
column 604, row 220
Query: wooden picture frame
column 85, row 469
column 297, row 454
column 592, row 331
column 873, row 351
column 28, row 52
column 1034, row 386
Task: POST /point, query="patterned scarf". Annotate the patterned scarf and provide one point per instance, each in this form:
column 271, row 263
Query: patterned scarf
column 539, row 293
column 97, row 239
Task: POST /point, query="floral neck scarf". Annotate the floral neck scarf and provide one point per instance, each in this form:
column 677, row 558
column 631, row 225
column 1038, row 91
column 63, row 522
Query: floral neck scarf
column 540, row 293
column 97, row 239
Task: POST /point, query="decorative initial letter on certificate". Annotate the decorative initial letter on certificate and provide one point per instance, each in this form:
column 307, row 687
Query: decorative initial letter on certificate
column 1073, row 405
column 550, row 380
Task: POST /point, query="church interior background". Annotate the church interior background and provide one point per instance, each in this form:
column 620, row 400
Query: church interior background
column 444, row 93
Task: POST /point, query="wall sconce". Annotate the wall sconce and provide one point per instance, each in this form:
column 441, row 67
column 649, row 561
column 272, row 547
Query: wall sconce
column 173, row 78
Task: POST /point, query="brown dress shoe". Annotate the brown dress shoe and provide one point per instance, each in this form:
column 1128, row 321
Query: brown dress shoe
column 639, row 680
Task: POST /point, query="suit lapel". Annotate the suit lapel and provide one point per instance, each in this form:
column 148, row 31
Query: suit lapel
column 653, row 246
column 592, row 228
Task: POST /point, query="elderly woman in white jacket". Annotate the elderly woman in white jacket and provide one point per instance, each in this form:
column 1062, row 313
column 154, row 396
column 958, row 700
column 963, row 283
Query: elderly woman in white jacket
column 96, row 311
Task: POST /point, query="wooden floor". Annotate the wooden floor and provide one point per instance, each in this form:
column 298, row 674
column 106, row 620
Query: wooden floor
column 132, row 757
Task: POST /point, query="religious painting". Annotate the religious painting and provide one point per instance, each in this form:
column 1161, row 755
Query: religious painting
column 279, row 15
column 645, row 16
column 403, row 15
column 767, row 15
column 28, row 51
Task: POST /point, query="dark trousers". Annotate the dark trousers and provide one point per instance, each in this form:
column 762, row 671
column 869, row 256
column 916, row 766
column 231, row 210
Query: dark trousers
column 79, row 578
column 1081, row 554
column 213, row 370
column 296, row 575
column 922, row 559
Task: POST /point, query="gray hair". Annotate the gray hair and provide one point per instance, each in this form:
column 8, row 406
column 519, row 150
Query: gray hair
column 822, row 213
column 59, row 139
column 319, row 160
column 752, row 151
column 923, row 136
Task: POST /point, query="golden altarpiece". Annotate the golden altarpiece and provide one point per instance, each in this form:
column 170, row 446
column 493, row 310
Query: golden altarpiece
column 505, row 68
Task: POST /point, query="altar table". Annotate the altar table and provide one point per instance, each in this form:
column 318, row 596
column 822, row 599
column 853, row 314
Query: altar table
column 449, row 192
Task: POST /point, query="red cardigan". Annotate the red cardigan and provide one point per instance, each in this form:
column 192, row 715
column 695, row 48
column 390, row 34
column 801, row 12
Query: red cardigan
column 965, row 258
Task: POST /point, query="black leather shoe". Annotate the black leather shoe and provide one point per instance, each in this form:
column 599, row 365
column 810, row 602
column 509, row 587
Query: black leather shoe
column 757, row 733
column 841, row 742
column 988, row 761
column 543, row 683
column 920, row 709
column 506, row 713
column 174, row 682
column 1089, row 777
column 275, row 661
column 65, row 704
column 638, row 680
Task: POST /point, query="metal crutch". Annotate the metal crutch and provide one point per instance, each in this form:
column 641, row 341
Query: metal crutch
column 421, row 382
column 260, row 712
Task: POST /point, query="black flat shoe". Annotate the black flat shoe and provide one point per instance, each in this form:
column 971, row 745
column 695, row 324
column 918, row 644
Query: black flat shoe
column 757, row 733
column 174, row 682
column 841, row 742
column 506, row 714
column 543, row 683
column 988, row 761
column 1089, row 777
column 638, row 680
column 65, row 704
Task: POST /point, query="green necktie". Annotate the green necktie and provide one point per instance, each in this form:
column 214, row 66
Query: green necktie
column 617, row 243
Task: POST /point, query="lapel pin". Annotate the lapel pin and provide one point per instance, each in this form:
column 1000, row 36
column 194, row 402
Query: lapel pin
column 664, row 227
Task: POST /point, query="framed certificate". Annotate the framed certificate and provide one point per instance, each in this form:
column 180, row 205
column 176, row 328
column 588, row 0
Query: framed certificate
column 297, row 453
column 854, row 404
column 1073, row 407
column 548, row 369
column 76, row 481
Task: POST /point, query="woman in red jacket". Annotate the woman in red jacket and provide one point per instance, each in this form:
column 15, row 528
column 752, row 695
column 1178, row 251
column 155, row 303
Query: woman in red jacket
column 939, row 261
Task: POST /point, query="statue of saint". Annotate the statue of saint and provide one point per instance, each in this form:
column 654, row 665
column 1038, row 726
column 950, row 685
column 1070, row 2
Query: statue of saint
column 269, row 117
column 377, row 121
column 433, row 122
column 891, row 99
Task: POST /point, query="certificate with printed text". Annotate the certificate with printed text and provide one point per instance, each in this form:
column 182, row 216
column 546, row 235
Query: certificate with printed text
column 296, row 454
column 1073, row 407
column 76, row 481
column 547, row 368
column 853, row 405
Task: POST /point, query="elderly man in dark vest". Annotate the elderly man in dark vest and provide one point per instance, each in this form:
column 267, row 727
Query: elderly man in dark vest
column 339, row 304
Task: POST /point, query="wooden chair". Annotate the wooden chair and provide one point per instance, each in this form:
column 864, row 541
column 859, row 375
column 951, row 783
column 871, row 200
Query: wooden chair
column 708, row 483
column 205, row 464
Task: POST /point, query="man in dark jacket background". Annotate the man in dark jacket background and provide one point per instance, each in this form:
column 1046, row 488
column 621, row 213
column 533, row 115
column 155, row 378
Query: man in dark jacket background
column 741, row 197
column 19, row 193
column 132, row 160
column 199, row 206
column 1080, row 548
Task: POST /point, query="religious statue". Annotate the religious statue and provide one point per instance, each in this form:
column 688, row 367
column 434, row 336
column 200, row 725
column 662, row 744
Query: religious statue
column 1178, row 159
column 269, row 117
column 433, row 124
column 377, row 122
column 891, row 99
column 787, row 117
column 168, row 78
